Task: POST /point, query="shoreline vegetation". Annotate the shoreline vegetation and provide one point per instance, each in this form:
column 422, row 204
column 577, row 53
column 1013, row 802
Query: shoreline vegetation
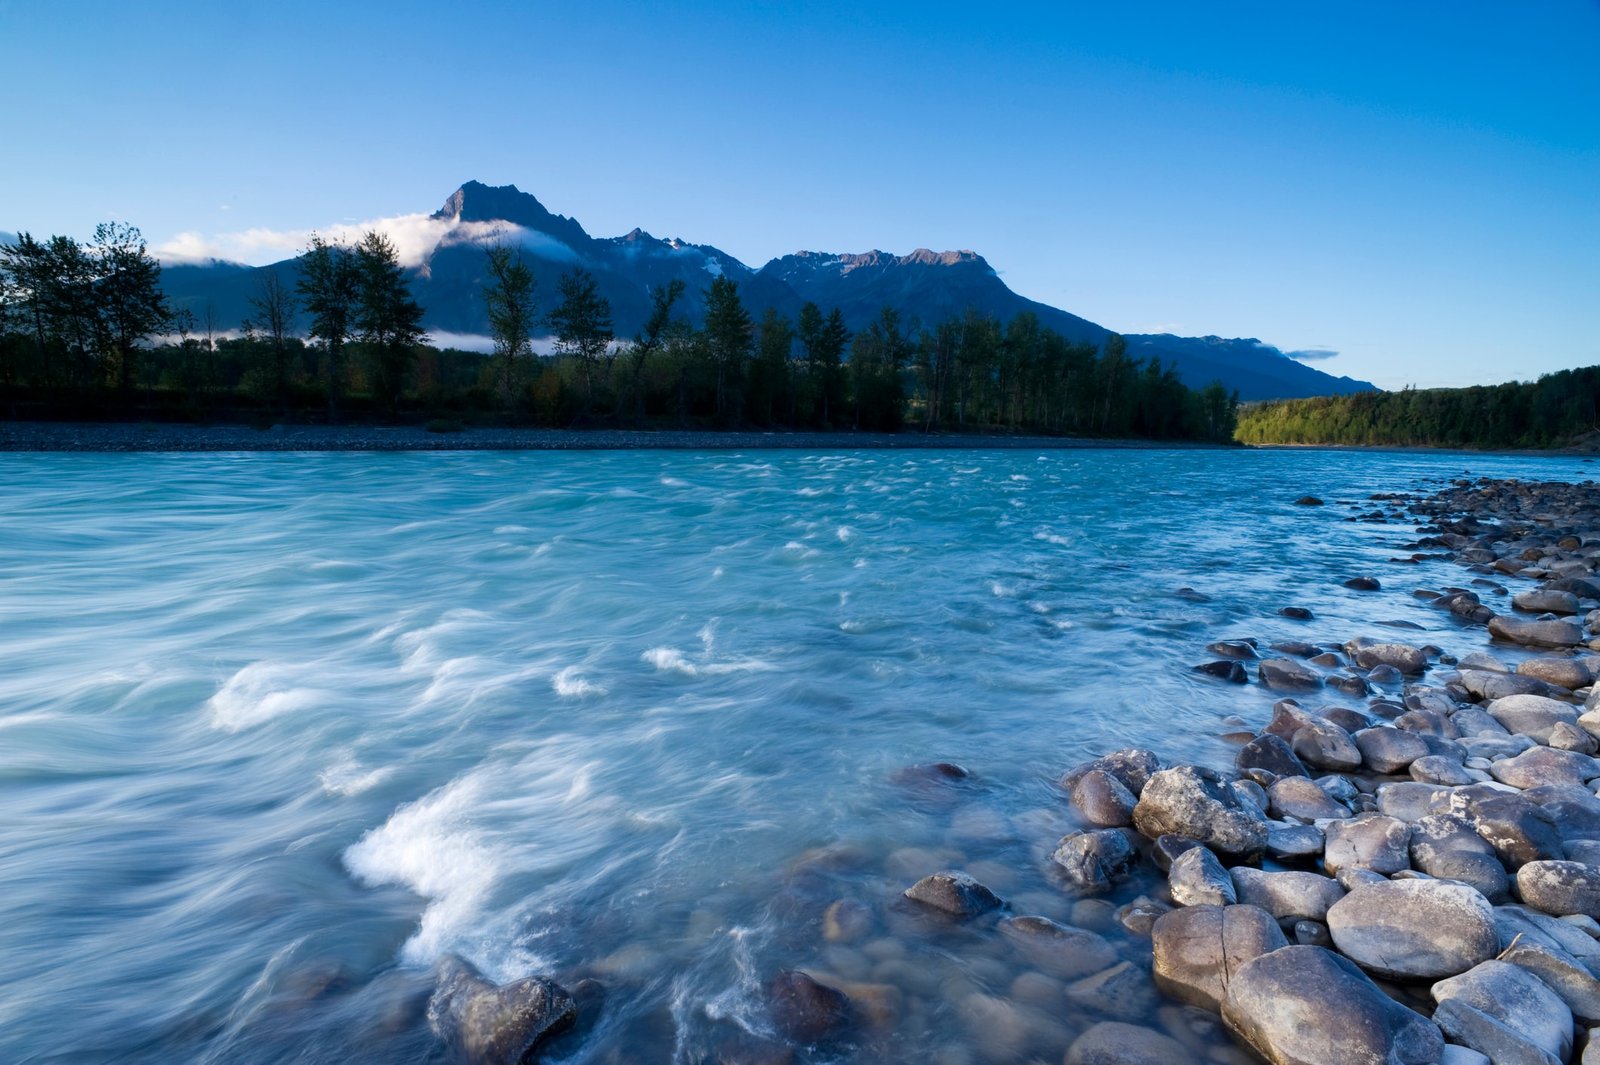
column 1558, row 411
column 1376, row 884
column 169, row 437
column 87, row 335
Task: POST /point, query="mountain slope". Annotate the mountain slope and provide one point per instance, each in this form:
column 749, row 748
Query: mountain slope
column 926, row 287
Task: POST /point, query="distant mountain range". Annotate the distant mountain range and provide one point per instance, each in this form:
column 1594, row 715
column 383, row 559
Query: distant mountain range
column 924, row 286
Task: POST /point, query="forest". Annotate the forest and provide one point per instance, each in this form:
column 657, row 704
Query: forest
column 86, row 334
column 1545, row 413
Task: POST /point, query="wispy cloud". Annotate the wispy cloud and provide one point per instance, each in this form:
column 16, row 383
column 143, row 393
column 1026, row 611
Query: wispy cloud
column 415, row 236
column 1313, row 354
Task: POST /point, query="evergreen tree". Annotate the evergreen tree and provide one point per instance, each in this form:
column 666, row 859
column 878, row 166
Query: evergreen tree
column 328, row 286
column 387, row 320
column 728, row 336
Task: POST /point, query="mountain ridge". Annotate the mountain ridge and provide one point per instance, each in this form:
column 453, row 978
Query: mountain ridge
column 925, row 286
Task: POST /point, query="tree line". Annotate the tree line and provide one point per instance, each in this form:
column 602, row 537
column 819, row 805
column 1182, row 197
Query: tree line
column 85, row 331
column 1545, row 413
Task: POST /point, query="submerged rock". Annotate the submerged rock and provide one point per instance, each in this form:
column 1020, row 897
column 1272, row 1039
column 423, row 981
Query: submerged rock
column 956, row 894
column 1061, row 951
column 1285, row 674
column 805, row 1010
column 1117, row 1043
column 487, row 1024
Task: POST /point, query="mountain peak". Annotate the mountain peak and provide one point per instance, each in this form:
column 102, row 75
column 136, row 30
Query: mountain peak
column 477, row 202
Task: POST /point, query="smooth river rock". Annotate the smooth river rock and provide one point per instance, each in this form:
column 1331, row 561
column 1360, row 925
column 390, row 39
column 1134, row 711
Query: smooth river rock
column 1562, row 888
column 1305, row 1005
column 1389, row 750
column 1569, row 673
column 1103, row 800
column 1448, row 847
column 1373, row 841
column 1525, row 1019
column 1414, row 929
column 1197, row 878
column 1303, row 798
column 805, row 1010
column 1198, row 804
column 1199, row 948
column 1535, row 633
column 1368, row 654
column 1285, row 674
column 1531, row 715
column 1287, row 895
column 1117, row 1043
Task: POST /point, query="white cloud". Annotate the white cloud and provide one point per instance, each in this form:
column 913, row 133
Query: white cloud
column 415, row 237
column 1313, row 354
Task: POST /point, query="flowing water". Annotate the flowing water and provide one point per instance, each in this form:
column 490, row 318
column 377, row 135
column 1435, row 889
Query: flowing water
column 279, row 730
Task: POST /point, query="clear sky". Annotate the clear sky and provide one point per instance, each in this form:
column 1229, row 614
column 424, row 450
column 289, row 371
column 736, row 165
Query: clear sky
column 1415, row 186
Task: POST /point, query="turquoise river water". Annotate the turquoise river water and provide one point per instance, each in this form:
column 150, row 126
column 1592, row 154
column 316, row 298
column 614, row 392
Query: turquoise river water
column 279, row 730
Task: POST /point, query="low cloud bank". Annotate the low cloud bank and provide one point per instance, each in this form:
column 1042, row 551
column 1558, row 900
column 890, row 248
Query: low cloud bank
column 416, row 237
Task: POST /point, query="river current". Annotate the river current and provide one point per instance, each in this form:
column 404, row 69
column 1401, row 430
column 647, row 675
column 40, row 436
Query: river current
column 277, row 731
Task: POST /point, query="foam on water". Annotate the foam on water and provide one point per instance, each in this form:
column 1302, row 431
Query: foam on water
column 433, row 848
column 260, row 692
column 569, row 684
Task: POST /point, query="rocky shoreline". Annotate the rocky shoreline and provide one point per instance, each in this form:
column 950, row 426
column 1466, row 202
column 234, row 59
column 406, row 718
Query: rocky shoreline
column 1415, row 881
column 151, row 437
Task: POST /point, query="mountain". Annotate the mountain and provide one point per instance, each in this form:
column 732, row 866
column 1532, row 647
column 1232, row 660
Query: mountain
column 925, row 286
column 1267, row 372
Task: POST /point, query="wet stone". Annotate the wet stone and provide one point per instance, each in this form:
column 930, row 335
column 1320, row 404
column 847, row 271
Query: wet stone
column 1446, row 846
column 1303, row 798
column 1096, row 861
column 496, row 1025
column 1535, row 633
column 805, row 1010
column 1373, row 841
column 956, row 894
column 1285, row 674
column 1389, row 750
column 1287, row 895
column 1102, row 800
column 1224, row 669
column 1271, row 753
column 1123, row 992
column 1531, row 715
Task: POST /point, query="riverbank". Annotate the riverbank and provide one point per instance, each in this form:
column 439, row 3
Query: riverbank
column 1416, row 881
column 98, row 437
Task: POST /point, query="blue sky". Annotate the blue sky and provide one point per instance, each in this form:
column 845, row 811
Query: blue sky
column 1415, row 186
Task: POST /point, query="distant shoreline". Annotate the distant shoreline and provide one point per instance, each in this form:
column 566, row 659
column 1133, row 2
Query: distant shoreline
column 146, row 437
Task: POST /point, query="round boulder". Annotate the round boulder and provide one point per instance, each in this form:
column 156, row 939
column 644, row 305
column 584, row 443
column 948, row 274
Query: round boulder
column 1305, row 1005
column 1562, row 888
column 1414, row 929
